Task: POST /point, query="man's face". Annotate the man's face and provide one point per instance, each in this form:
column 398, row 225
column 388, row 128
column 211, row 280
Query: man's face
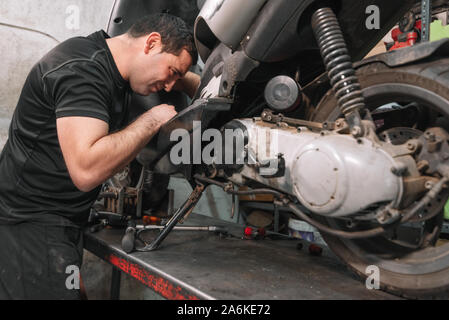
column 154, row 70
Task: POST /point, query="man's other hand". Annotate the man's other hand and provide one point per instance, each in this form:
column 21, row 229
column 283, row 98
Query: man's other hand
column 188, row 84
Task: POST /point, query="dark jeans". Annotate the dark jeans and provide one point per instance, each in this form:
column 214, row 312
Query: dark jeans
column 34, row 260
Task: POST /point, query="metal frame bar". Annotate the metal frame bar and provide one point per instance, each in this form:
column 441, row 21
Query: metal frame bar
column 115, row 283
column 426, row 19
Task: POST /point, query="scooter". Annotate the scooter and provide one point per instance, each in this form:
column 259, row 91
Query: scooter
column 357, row 148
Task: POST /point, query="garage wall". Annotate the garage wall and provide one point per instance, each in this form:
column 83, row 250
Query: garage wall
column 29, row 29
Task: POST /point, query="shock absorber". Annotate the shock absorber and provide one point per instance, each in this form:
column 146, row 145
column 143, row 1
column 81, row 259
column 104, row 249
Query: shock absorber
column 339, row 67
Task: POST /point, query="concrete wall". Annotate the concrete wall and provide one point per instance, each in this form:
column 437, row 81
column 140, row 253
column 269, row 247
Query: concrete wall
column 29, row 29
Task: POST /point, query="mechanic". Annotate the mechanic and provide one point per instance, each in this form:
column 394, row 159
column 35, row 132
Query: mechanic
column 67, row 137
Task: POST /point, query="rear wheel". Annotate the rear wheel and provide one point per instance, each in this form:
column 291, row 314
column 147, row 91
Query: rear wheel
column 414, row 97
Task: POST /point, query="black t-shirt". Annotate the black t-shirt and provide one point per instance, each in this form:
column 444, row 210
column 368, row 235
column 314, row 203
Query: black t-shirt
column 77, row 78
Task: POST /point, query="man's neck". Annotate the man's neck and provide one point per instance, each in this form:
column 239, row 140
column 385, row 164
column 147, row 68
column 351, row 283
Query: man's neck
column 119, row 47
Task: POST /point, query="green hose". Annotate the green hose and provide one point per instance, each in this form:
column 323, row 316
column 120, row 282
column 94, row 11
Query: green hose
column 446, row 210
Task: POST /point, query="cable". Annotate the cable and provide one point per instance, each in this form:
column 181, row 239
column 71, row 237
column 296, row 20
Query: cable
column 342, row 234
column 241, row 193
column 29, row 29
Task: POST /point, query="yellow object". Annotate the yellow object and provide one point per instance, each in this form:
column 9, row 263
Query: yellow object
column 438, row 31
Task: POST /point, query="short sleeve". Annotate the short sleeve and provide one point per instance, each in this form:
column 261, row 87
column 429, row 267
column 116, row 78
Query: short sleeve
column 79, row 89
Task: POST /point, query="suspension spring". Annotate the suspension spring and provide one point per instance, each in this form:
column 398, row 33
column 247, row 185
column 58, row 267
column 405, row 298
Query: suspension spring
column 339, row 65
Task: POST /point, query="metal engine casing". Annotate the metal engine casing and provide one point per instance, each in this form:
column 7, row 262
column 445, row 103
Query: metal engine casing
column 331, row 174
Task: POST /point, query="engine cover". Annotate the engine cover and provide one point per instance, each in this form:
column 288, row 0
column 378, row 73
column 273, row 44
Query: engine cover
column 331, row 174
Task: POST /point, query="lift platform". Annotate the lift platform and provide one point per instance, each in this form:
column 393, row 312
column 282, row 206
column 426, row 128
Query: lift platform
column 204, row 265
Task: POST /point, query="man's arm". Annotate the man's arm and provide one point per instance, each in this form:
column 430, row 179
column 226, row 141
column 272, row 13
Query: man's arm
column 188, row 84
column 92, row 156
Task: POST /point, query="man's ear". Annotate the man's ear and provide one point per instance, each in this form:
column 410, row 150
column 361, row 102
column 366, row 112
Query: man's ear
column 152, row 42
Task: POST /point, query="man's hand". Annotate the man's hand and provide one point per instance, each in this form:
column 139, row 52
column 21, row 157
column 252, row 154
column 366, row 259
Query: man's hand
column 162, row 113
column 188, row 84
column 92, row 155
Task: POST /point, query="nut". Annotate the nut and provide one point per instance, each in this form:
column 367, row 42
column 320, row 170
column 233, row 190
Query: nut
column 430, row 136
column 429, row 185
column 411, row 146
column 356, row 131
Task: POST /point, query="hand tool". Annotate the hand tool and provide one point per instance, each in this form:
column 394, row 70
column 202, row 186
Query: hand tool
column 133, row 233
column 251, row 232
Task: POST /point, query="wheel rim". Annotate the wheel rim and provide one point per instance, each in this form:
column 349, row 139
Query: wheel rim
column 379, row 251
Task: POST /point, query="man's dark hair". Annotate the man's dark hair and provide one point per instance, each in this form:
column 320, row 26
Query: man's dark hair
column 175, row 33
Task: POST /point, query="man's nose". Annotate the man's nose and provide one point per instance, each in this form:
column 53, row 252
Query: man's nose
column 169, row 85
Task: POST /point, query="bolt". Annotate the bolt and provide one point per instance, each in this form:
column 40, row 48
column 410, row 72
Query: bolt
column 422, row 165
column 430, row 136
column 399, row 170
column 428, row 185
column 356, row 131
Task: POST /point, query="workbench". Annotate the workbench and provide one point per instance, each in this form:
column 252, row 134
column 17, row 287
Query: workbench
column 203, row 265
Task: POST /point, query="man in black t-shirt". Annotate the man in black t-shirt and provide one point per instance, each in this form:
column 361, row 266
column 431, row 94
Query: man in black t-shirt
column 67, row 137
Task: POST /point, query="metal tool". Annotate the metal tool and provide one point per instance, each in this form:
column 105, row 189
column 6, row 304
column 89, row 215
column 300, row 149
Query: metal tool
column 187, row 228
column 426, row 19
column 133, row 233
column 128, row 241
column 251, row 233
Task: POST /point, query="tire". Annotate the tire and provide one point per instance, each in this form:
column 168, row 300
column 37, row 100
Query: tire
column 425, row 272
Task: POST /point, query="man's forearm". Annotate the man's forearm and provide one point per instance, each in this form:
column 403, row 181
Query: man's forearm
column 112, row 153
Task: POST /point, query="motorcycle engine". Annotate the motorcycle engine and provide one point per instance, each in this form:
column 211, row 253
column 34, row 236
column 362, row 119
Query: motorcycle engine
column 331, row 174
